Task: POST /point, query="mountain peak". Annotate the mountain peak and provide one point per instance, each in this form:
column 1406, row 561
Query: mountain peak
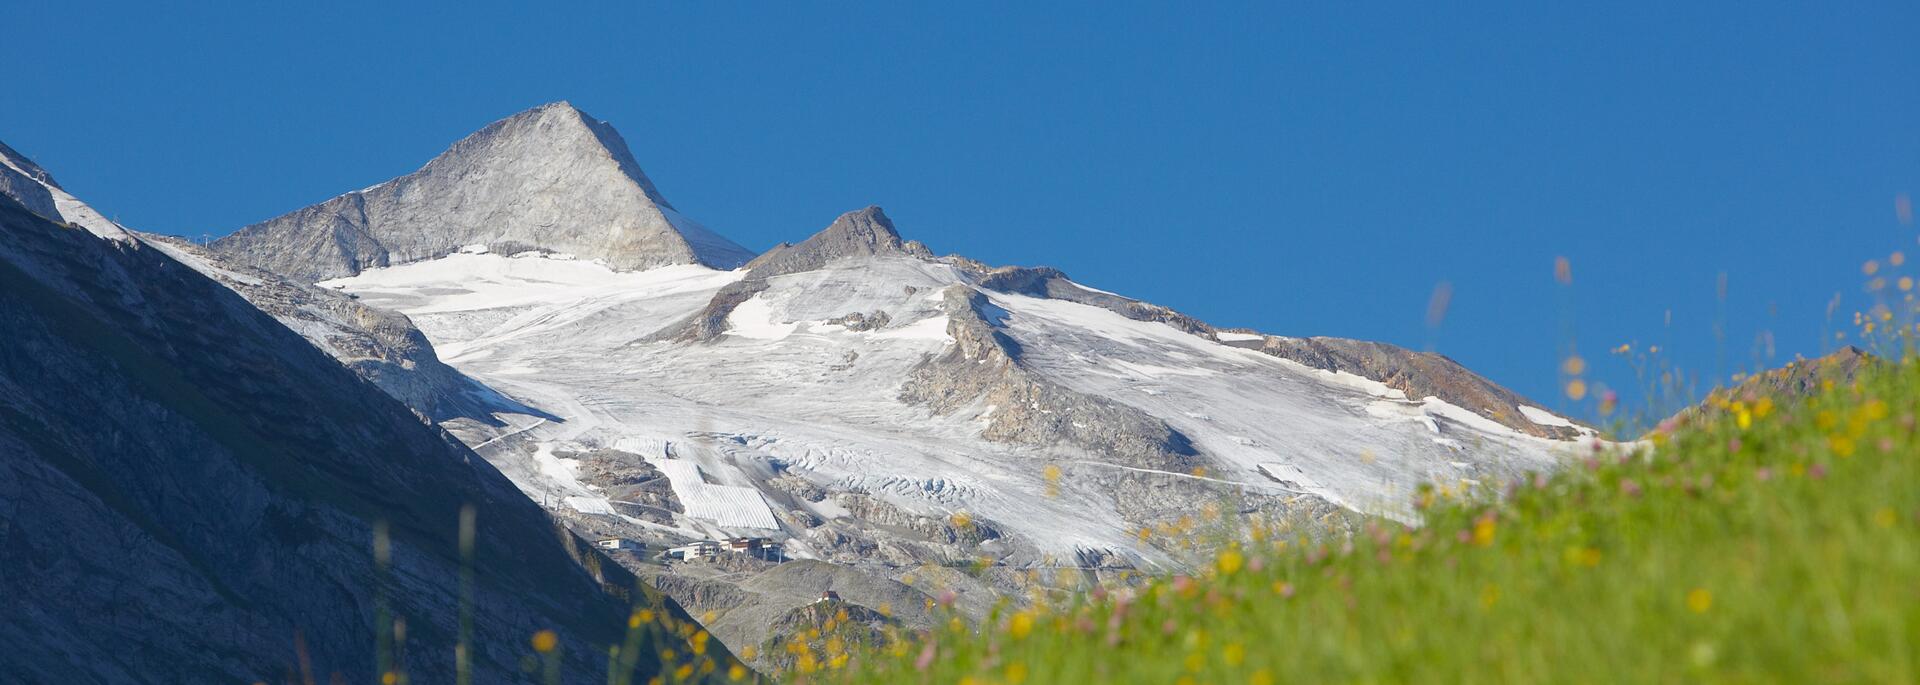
column 559, row 127
column 865, row 232
column 550, row 178
column 868, row 225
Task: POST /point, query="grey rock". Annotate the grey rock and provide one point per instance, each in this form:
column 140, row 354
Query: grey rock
column 877, row 512
column 859, row 321
column 1418, row 374
column 982, row 366
column 550, row 178
column 856, row 234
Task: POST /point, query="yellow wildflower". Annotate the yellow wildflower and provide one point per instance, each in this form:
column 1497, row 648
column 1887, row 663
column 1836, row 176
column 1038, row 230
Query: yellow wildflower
column 1483, row 530
column 1230, row 562
column 544, row 641
column 1020, row 626
column 1699, row 600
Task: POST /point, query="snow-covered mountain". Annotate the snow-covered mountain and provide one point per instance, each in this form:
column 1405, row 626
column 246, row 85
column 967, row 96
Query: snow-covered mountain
column 859, row 363
column 551, row 178
column 889, row 414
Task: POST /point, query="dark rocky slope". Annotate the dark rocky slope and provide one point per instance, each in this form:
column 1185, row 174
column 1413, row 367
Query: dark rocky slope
column 188, row 491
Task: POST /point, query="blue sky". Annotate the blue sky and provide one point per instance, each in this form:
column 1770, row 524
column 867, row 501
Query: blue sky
column 1300, row 170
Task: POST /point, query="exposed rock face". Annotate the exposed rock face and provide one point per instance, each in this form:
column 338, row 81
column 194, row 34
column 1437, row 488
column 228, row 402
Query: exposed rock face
column 982, row 367
column 635, row 486
column 550, row 178
column 1418, row 374
column 860, row 233
column 711, row 320
column 188, row 490
column 943, row 531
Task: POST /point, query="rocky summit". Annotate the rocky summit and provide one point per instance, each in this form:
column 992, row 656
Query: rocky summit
column 551, row 178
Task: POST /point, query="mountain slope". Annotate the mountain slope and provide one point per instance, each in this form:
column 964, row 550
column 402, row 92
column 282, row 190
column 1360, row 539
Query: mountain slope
column 188, row 491
column 382, row 346
column 854, row 365
column 551, row 177
column 36, row 191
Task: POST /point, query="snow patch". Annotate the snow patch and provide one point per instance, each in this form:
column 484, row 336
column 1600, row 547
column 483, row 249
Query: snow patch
column 591, row 505
column 755, row 319
column 930, row 328
column 1441, row 408
column 1543, row 417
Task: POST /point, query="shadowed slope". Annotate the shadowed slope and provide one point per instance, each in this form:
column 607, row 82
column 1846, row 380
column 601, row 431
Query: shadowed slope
column 186, row 486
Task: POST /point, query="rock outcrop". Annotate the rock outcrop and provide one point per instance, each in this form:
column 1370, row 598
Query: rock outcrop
column 1418, row 374
column 856, row 234
column 982, row 368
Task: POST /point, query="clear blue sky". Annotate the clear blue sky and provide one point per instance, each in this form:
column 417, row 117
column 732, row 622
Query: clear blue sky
column 1298, row 170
